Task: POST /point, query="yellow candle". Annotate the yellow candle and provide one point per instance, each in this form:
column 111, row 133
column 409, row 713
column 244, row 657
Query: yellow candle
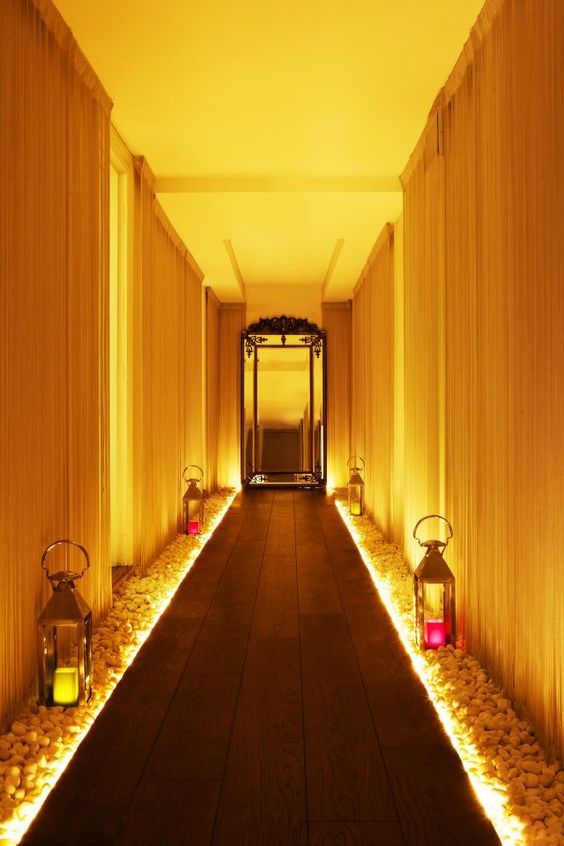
column 65, row 686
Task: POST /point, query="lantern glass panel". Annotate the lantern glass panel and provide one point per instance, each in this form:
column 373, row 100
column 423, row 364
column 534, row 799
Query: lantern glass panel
column 194, row 516
column 355, row 500
column 66, row 662
column 434, row 613
column 193, row 509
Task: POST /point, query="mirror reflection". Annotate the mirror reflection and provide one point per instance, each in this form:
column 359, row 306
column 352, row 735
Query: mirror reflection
column 283, row 426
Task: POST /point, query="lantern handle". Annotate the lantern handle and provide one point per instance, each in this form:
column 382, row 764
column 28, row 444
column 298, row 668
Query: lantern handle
column 192, row 478
column 352, row 458
column 428, row 517
column 52, row 546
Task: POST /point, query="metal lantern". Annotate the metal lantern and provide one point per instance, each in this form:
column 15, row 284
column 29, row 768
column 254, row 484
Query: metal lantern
column 435, row 609
column 193, row 501
column 355, row 486
column 65, row 638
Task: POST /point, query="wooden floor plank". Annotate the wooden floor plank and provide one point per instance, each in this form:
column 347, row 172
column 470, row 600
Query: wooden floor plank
column 435, row 801
column 170, row 813
column 402, row 712
column 355, row 834
column 90, row 801
column 345, row 773
column 276, row 607
column 318, row 593
column 159, row 665
column 194, row 737
column 263, row 795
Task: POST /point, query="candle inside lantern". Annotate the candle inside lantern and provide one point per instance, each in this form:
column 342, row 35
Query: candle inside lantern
column 65, row 686
column 435, row 634
column 355, row 508
column 193, row 527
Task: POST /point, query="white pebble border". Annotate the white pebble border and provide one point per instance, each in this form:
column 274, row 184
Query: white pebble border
column 43, row 740
column 521, row 789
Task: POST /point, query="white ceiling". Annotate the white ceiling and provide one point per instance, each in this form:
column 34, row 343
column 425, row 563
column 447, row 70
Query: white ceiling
column 277, row 130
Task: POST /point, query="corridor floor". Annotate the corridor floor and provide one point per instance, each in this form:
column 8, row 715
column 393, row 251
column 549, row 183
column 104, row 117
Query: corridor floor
column 273, row 704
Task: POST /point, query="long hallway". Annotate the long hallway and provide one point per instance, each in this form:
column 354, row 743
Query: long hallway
column 273, row 704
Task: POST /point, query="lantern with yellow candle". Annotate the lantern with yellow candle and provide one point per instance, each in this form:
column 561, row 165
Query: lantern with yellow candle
column 355, row 486
column 65, row 637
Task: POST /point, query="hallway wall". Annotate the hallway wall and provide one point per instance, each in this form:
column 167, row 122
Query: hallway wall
column 54, row 179
column 482, row 348
column 338, row 324
column 54, row 344
column 224, row 323
column 167, row 425
column 372, row 428
column 232, row 321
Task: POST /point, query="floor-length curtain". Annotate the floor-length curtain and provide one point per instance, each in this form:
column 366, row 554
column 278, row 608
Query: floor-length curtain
column 168, row 363
column 483, row 335
column 231, row 324
column 373, row 376
column 194, row 448
column 424, row 221
column 54, row 166
column 337, row 322
column 212, row 388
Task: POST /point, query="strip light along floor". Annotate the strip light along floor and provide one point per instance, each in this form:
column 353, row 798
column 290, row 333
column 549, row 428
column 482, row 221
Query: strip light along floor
column 492, row 793
column 29, row 782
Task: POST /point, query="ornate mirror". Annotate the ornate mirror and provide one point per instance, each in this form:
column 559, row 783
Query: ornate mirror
column 283, row 408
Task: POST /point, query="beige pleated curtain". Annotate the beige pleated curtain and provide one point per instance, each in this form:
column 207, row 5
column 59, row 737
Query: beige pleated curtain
column 54, row 159
column 478, row 350
column 54, row 380
column 224, row 323
column 337, row 322
column 373, row 377
column 167, row 430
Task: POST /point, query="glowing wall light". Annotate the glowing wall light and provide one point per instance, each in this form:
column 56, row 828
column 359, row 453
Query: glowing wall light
column 434, row 596
column 193, row 502
column 355, row 486
column 65, row 637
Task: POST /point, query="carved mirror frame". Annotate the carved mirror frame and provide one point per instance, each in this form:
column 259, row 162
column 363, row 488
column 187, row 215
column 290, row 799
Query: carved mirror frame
column 260, row 336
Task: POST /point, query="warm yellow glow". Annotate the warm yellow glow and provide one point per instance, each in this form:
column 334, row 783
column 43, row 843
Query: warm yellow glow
column 491, row 793
column 296, row 93
column 14, row 828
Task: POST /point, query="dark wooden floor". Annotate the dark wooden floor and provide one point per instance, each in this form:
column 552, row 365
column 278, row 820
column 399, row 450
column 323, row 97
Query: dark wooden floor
column 273, row 704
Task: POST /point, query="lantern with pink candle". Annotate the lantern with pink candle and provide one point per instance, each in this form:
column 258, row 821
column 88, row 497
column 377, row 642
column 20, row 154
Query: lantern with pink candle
column 193, row 501
column 434, row 593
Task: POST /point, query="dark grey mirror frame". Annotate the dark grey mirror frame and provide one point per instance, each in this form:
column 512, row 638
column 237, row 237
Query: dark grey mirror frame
column 252, row 339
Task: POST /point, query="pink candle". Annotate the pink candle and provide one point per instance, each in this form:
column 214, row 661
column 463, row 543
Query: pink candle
column 435, row 634
column 193, row 527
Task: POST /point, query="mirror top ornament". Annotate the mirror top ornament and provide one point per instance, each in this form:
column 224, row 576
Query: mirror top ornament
column 283, row 326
